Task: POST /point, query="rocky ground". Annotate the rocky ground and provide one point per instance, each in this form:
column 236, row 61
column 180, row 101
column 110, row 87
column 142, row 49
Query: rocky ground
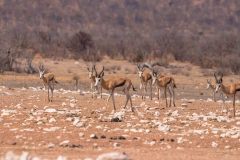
column 75, row 126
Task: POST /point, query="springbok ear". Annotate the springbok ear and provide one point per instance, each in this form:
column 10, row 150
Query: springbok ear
column 138, row 66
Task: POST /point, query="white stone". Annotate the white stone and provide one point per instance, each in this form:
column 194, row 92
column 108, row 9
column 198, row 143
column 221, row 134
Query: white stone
column 72, row 105
column 51, row 120
column 116, row 144
column 163, row 127
column 51, row 129
column 214, row 144
column 113, row 156
column 157, row 113
column 147, row 131
column 118, row 115
column 179, row 140
column 93, row 136
column 50, row 110
column 76, row 120
column 184, row 105
column 81, row 134
column 11, row 156
column 64, row 142
column 175, row 113
column 61, row 157
column 50, row 145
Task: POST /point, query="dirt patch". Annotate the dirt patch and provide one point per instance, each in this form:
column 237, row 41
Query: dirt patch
column 77, row 126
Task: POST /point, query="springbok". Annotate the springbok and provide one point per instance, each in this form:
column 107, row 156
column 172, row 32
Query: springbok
column 212, row 87
column 146, row 77
column 113, row 83
column 92, row 73
column 229, row 90
column 75, row 78
column 48, row 80
column 167, row 83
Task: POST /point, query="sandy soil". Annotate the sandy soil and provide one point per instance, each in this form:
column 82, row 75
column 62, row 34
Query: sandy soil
column 77, row 127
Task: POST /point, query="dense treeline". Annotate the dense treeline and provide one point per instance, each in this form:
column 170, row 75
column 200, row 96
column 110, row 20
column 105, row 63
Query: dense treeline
column 200, row 31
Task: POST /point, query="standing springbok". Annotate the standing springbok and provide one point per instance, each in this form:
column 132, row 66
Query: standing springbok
column 212, row 87
column 165, row 82
column 230, row 90
column 48, row 79
column 111, row 84
column 92, row 77
column 145, row 78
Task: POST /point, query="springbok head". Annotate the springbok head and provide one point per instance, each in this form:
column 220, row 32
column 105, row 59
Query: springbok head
column 208, row 83
column 154, row 76
column 140, row 70
column 41, row 70
column 99, row 77
column 218, row 81
column 91, row 71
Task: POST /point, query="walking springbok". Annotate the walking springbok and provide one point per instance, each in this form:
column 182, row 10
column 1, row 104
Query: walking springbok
column 48, row 80
column 165, row 82
column 111, row 84
column 92, row 77
column 212, row 87
column 229, row 90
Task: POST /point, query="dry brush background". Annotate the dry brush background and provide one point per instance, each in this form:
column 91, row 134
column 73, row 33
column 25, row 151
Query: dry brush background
column 191, row 38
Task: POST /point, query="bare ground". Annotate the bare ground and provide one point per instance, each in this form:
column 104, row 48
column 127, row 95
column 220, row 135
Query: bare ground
column 76, row 126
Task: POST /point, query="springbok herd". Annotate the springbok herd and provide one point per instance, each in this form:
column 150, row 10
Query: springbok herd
column 148, row 76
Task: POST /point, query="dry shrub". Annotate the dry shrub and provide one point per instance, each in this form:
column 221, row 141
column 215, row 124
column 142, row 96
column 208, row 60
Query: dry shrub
column 207, row 72
column 130, row 33
column 82, row 45
column 179, row 71
column 112, row 69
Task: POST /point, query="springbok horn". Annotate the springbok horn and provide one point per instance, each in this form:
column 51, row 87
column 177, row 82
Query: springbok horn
column 101, row 71
column 215, row 76
column 138, row 65
column 94, row 68
column 221, row 75
column 40, row 67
